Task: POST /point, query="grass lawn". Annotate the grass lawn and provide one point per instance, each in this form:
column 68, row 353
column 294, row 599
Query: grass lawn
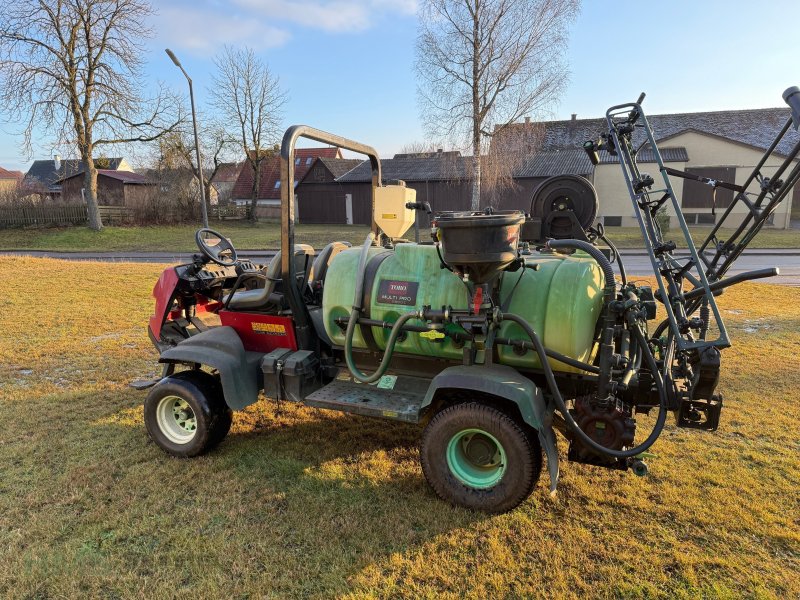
column 315, row 504
column 261, row 236
column 172, row 238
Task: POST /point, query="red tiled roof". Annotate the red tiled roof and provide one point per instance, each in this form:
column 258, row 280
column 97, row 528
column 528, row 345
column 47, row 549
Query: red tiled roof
column 6, row 174
column 270, row 173
column 227, row 172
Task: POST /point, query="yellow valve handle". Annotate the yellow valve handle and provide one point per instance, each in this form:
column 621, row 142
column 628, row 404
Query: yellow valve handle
column 432, row 335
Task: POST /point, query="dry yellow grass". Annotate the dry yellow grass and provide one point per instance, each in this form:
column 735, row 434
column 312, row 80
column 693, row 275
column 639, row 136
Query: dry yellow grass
column 316, row 504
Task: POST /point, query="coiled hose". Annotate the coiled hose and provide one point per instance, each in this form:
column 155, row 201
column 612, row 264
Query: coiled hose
column 353, row 321
column 562, row 407
column 610, row 293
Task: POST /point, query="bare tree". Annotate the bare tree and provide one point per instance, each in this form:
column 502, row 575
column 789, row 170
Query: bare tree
column 249, row 97
column 215, row 149
column 73, row 68
column 509, row 151
column 484, row 64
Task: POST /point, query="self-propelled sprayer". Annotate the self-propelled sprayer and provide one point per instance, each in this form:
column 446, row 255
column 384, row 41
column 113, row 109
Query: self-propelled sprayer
column 503, row 328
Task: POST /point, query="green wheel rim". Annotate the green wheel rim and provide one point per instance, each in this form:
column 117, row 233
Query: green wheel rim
column 476, row 458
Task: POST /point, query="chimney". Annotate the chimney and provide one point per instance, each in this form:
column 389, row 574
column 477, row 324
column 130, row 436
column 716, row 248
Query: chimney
column 57, row 161
column 574, row 116
column 527, row 119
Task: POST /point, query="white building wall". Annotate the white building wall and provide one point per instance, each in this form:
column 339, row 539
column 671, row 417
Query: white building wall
column 703, row 151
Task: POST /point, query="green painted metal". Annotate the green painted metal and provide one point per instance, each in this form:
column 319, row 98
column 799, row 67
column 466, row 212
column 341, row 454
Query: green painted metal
column 561, row 296
column 476, row 458
column 496, row 380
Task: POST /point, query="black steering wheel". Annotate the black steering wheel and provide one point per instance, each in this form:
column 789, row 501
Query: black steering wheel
column 221, row 251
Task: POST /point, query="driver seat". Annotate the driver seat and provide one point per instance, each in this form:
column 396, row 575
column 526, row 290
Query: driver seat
column 261, row 298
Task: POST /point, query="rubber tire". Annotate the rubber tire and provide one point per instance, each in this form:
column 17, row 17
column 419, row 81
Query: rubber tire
column 521, row 445
column 203, row 392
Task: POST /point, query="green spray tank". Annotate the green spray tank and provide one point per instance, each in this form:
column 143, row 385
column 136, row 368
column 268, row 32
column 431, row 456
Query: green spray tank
column 560, row 295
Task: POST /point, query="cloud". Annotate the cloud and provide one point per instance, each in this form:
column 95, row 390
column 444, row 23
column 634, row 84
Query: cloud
column 204, row 32
column 340, row 16
column 203, row 26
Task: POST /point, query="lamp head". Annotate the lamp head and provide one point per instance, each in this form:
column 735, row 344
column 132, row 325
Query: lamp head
column 173, row 57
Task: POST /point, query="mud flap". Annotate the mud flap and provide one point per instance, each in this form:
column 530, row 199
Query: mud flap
column 547, row 439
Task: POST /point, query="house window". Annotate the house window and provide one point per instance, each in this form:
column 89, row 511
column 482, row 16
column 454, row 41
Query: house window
column 309, row 160
column 296, row 162
column 277, row 184
column 612, row 221
column 699, row 218
column 706, row 219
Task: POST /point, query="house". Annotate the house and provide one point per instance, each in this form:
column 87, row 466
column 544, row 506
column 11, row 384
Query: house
column 179, row 186
column 224, row 180
column 9, row 180
column 44, row 175
column 722, row 145
column 442, row 179
column 114, row 188
column 319, row 198
column 269, row 192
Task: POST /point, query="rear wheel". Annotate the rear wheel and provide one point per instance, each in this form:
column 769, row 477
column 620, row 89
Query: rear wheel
column 185, row 414
column 479, row 457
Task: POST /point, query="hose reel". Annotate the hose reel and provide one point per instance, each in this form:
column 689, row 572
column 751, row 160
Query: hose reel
column 562, row 207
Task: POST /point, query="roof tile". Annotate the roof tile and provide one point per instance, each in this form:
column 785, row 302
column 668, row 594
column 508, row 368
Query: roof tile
column 755, row 127
column 271, row 173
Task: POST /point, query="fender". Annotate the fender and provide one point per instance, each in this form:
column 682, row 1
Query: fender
column 507, row 383
column 222, row 349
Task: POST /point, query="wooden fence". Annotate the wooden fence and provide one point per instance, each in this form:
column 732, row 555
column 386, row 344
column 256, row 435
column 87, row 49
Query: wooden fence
column 27, row 216
column 44, row 216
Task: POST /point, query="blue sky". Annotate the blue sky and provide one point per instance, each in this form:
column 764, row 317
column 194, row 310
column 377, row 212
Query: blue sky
column 348, row 64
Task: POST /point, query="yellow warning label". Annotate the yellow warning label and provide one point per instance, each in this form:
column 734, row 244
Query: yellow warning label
column 269, row 328
column 389, row 215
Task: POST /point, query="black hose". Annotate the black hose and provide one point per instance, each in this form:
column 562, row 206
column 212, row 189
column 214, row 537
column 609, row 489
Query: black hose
column 622, row 275
column 608, row 270
column 552, row 354
column 562, row 407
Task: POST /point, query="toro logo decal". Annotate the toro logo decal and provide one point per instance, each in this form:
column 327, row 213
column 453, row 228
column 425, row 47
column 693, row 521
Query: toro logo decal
column 268, row 328
column 398, row 292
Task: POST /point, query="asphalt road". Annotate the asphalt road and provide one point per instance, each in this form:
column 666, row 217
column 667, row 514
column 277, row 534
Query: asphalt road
column 637, row 263
column 787, row 261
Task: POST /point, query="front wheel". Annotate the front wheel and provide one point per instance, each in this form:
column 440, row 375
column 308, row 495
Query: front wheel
column 185, row 414
column 479, row 457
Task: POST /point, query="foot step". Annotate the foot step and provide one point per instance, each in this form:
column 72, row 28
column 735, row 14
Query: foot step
column 400, row 403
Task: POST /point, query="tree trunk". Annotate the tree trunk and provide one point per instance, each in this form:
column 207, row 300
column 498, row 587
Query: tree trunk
column 256, row 184
column 476, row 178
column 90, row 187
column 476, row 108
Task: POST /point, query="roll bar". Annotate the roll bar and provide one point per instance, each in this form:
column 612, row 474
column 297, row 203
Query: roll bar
column 306, row 337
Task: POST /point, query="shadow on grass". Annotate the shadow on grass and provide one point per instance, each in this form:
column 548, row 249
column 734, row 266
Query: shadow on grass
column 313, row 496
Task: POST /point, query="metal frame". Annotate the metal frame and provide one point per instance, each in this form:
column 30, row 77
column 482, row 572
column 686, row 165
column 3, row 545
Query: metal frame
column 664, row 264
column 772, row 193
column 306, row 339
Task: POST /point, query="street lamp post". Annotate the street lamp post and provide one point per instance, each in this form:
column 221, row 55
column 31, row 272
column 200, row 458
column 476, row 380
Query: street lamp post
column 196, row 139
